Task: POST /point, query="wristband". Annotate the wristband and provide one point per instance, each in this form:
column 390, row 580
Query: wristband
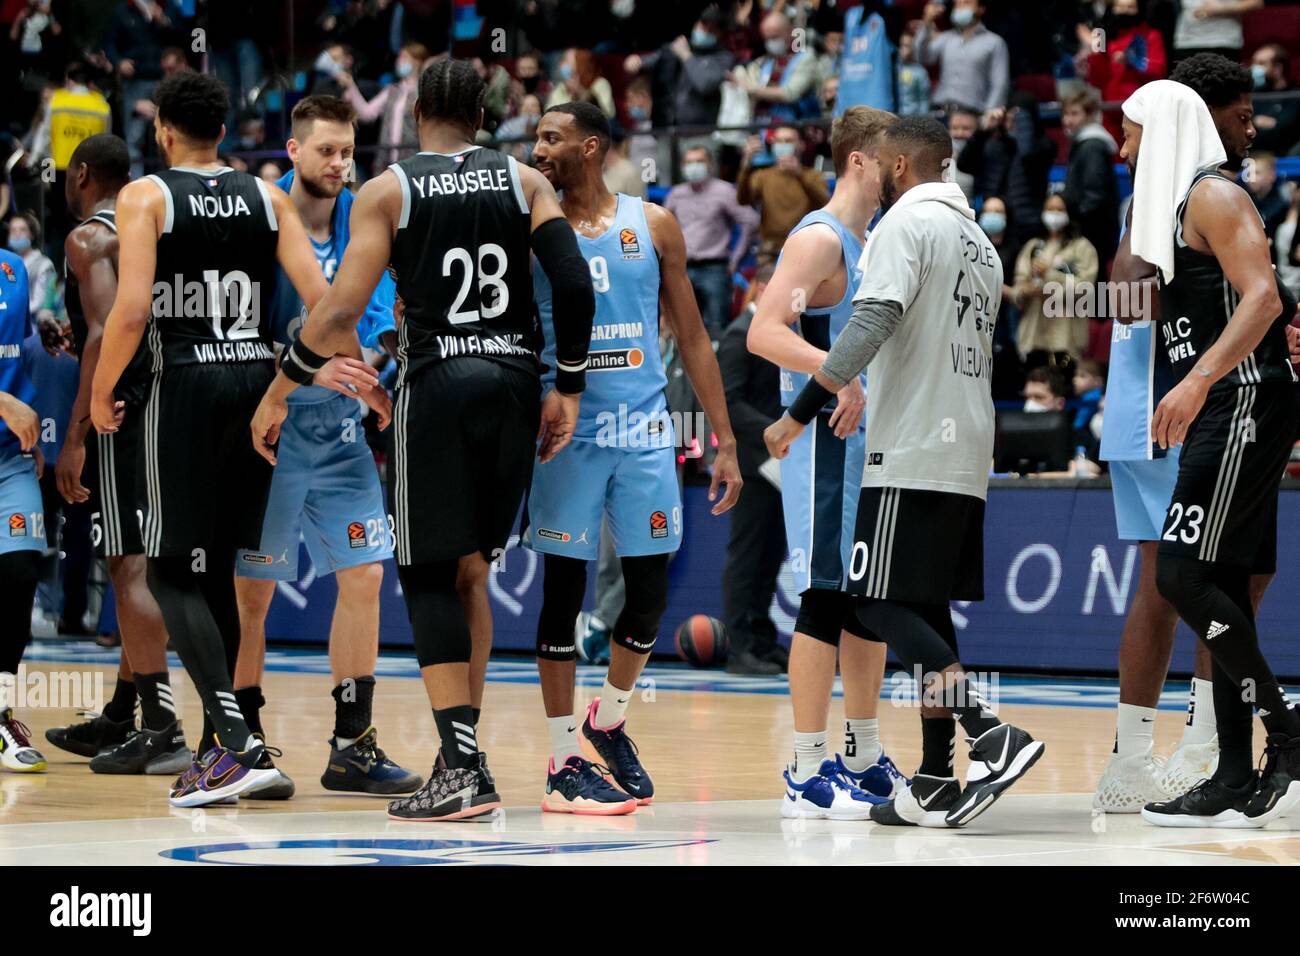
column 571, row 379
column 300, row 363
column 809, row 402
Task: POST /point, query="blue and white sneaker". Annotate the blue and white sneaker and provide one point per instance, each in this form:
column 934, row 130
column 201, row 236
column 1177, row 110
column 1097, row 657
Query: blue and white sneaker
column 619, row 755
column 826, row 796
column 579, row 786
column 591, row 639
column 362, row 767
column 881, row 779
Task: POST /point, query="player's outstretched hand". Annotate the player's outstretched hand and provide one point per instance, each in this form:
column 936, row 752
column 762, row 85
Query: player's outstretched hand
column 559, row 418
column 1178, row 409
column 56, row 336
column 379, row 402
column 270, row 415
column 726, row 471
column 347, row 375
column 848, row 409
column 779, row 435
column 67, row 472
column 1293, row 342
column 22, row 421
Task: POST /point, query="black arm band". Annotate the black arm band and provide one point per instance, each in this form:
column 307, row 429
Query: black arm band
column 573, row 301
column 809, row 402
column 300, row 363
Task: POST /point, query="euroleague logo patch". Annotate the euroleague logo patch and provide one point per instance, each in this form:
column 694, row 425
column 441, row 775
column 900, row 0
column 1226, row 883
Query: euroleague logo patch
column 631, row 244
column 17, row 526
column 658, row 525
column 9, row 271
column 613, row 360
column 356, row 534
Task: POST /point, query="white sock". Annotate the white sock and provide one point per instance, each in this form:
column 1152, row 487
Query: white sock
column 613, row 705
column 861, row 743
column 809, row 752
column 1136, row 725
column 564, row 738
column 343, row 743
column 1199, row 728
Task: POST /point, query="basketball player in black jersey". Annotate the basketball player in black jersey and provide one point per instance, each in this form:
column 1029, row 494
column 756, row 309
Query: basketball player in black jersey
column 1223, row 312
column 457, row 222
column 199, row 244
column 99, row 168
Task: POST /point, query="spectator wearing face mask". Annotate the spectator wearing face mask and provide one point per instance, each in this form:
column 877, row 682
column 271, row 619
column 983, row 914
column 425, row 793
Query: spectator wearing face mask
column 393, row 106
column 686, row 75
column 783, row 84
column 1091, row 188
column 972, row 60
column 42, row 281
column 1011, row 156
column 994, row 219
column 522, row 126
column 580, row 81
column 528, row 74
column 1133, row 54
column 785, row 190
column 1277, row 121
column 708, row 212
column 1045, row 390
column 913, row 80
column 1048, row 271
column 962, row 126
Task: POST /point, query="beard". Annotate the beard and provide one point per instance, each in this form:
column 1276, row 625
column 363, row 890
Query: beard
column 319, row 190
column 888, row 192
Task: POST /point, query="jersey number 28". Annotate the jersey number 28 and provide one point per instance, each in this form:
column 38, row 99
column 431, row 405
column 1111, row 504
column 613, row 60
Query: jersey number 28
column 499, row 293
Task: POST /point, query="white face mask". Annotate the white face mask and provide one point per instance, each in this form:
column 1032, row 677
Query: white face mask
column 963, row 17
column 782, row 150
column 775, row 47
column 695, row 172
column 622, row 8
column 1056, row 221
column 1032, row 405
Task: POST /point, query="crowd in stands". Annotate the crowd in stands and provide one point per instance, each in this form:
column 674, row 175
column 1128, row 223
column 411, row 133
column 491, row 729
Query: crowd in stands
column 720, row 111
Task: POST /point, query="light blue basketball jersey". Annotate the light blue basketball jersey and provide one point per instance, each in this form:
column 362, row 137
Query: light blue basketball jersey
column 623, row 405
column 866, row 65
column 821, row 327
column 15, row 324
column 289, row 313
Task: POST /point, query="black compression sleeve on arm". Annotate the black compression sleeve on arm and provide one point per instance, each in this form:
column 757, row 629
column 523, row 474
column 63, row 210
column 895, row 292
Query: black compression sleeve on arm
column 809, row 402
column 573, row 301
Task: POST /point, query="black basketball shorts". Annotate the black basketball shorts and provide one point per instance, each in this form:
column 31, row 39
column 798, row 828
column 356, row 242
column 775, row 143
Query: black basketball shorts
column 1224, row 506
column 109, row 473
column 920, row 546
column 201, row 483
column 461, row 453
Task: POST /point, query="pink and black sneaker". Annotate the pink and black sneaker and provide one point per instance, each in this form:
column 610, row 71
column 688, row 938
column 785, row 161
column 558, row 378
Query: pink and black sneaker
column 619, row 754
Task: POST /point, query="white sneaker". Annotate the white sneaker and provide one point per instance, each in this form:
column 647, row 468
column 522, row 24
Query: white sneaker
column 1130, row 783
column 16, row 751
column 1189, row 765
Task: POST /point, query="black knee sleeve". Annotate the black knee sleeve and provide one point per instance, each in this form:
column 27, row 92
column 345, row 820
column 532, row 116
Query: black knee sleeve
column 19, row 571
column 437, row 616
column 917, row 633
column 646, row 580
column 821, row 615
column 564, row 585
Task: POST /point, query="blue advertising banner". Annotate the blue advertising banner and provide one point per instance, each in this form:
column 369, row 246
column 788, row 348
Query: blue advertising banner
column 1057, row 584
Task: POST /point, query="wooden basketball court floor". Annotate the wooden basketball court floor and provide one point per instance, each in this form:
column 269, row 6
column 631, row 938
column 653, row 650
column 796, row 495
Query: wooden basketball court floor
column 714, row 744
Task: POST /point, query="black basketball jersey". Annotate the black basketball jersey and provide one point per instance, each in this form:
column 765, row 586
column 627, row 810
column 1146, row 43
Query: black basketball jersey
column 461, row 261
column 133, row 385
column 1196, row 306
column 216, row 270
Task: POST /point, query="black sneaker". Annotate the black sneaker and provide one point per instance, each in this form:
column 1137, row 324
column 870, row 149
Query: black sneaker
column 746, row 664
column 146, row 751
column 926, row 802
column 362, row 767
column 998, row 758
column 1208, row 804
column 450, row 795
column 1278, row 788
column 90, row 736
column 618, row 752
column 278, row 787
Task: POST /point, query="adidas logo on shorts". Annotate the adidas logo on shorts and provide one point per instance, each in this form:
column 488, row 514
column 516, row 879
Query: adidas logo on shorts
column 1215, row 630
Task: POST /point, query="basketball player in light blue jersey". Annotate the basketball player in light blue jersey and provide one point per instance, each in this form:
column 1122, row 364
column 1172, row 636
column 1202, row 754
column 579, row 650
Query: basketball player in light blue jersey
column 621, row 464
column 803, row 310
column 325, row 487
column 1142, row 478
column 22, row 532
